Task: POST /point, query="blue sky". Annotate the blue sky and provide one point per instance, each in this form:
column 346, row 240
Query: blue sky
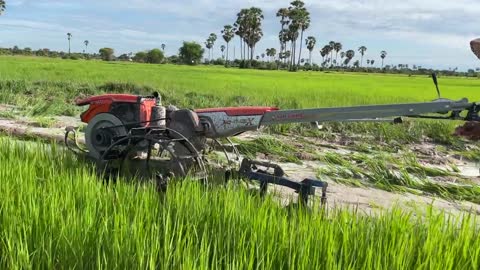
column 430, row 33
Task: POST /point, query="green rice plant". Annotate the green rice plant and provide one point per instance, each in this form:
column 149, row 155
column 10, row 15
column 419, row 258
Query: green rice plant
column 269, row 145
column 56, row 214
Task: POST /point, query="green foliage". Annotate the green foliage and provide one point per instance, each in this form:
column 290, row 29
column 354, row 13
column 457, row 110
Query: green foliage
column 191, row 53
column 140, row 57
column 154, row 56
column 106, row 54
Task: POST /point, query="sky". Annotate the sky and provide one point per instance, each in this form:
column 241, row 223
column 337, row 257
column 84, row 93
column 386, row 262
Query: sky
column 427, row 33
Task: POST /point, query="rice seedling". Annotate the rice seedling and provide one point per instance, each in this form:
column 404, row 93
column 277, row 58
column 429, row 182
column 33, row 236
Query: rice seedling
column 56, row 214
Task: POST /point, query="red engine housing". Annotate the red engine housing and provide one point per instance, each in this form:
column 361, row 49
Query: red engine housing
column 128, row 108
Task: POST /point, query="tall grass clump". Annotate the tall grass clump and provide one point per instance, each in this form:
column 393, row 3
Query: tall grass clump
column 56, row 214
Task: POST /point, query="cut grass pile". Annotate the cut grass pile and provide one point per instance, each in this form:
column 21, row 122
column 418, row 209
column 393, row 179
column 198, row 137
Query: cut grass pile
column 403, row 174
column 56, row 214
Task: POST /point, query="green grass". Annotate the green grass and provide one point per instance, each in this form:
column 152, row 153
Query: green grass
column 220, row 86
column 56, row 214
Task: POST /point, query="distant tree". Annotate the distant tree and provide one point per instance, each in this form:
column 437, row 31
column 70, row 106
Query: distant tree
column 228, row 33
column 209, row 46
column 252, row 24
column 271, row 52
column 163, row 47
column 2, row 6
column 69, row 37
column 310, row 42
column 337, row 47
column 222, row 49
column 173, row 59
column 368, row 61
column 257, row 57
column 372, row 62
column 106, row 54
column 324, row 52
column 362, row 51
column 383, row 54
column 356, row 64
column 283, row 14
column 27, row 51
column 124, row 57
column 86, row 42
column 342, row 55
column 191, row 53
column 154, row 56
column 300, row 21
column 263, row 56
column 349, row 56
column 140, row 57
column 212, row 39
column 284, row 37
column 331, row 44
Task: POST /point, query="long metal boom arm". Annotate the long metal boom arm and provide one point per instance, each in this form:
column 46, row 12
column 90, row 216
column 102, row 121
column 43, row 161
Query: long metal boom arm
column 442, row 106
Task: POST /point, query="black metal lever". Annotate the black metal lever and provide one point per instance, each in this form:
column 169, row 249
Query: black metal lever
column 435, row 81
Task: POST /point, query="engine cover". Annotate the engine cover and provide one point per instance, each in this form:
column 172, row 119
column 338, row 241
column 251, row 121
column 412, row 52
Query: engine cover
column 132, row 110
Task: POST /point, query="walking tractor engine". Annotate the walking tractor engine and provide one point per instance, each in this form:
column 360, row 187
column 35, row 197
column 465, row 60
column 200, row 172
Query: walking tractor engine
column 137, row 135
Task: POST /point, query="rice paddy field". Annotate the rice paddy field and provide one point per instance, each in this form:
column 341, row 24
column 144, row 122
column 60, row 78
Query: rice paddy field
column 200, row 86
column 56, row 213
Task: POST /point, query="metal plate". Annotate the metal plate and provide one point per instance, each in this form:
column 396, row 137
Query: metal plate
column 94, row 128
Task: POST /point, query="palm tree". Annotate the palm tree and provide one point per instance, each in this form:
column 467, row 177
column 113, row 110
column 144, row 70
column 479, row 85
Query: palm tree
column 273, row 52
column 304, row 21
column 310, row 42
column 263, row 56
column 325, row 52
column 337, row 47
column 2, row 6
column 300, row 21
column 362, row 51
column 228, row 33
column 163, row 47
column 222, row 49
column 372, row 62
column 86, row 42
column 69, row 37
column 332, row 48
column 209, row 46
column 212, row 38
column 253, row 28
column 383, row 54
column 283, row 13
column 349, row 56
column 284, row 37
column 342, row 55
column 239, row 29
